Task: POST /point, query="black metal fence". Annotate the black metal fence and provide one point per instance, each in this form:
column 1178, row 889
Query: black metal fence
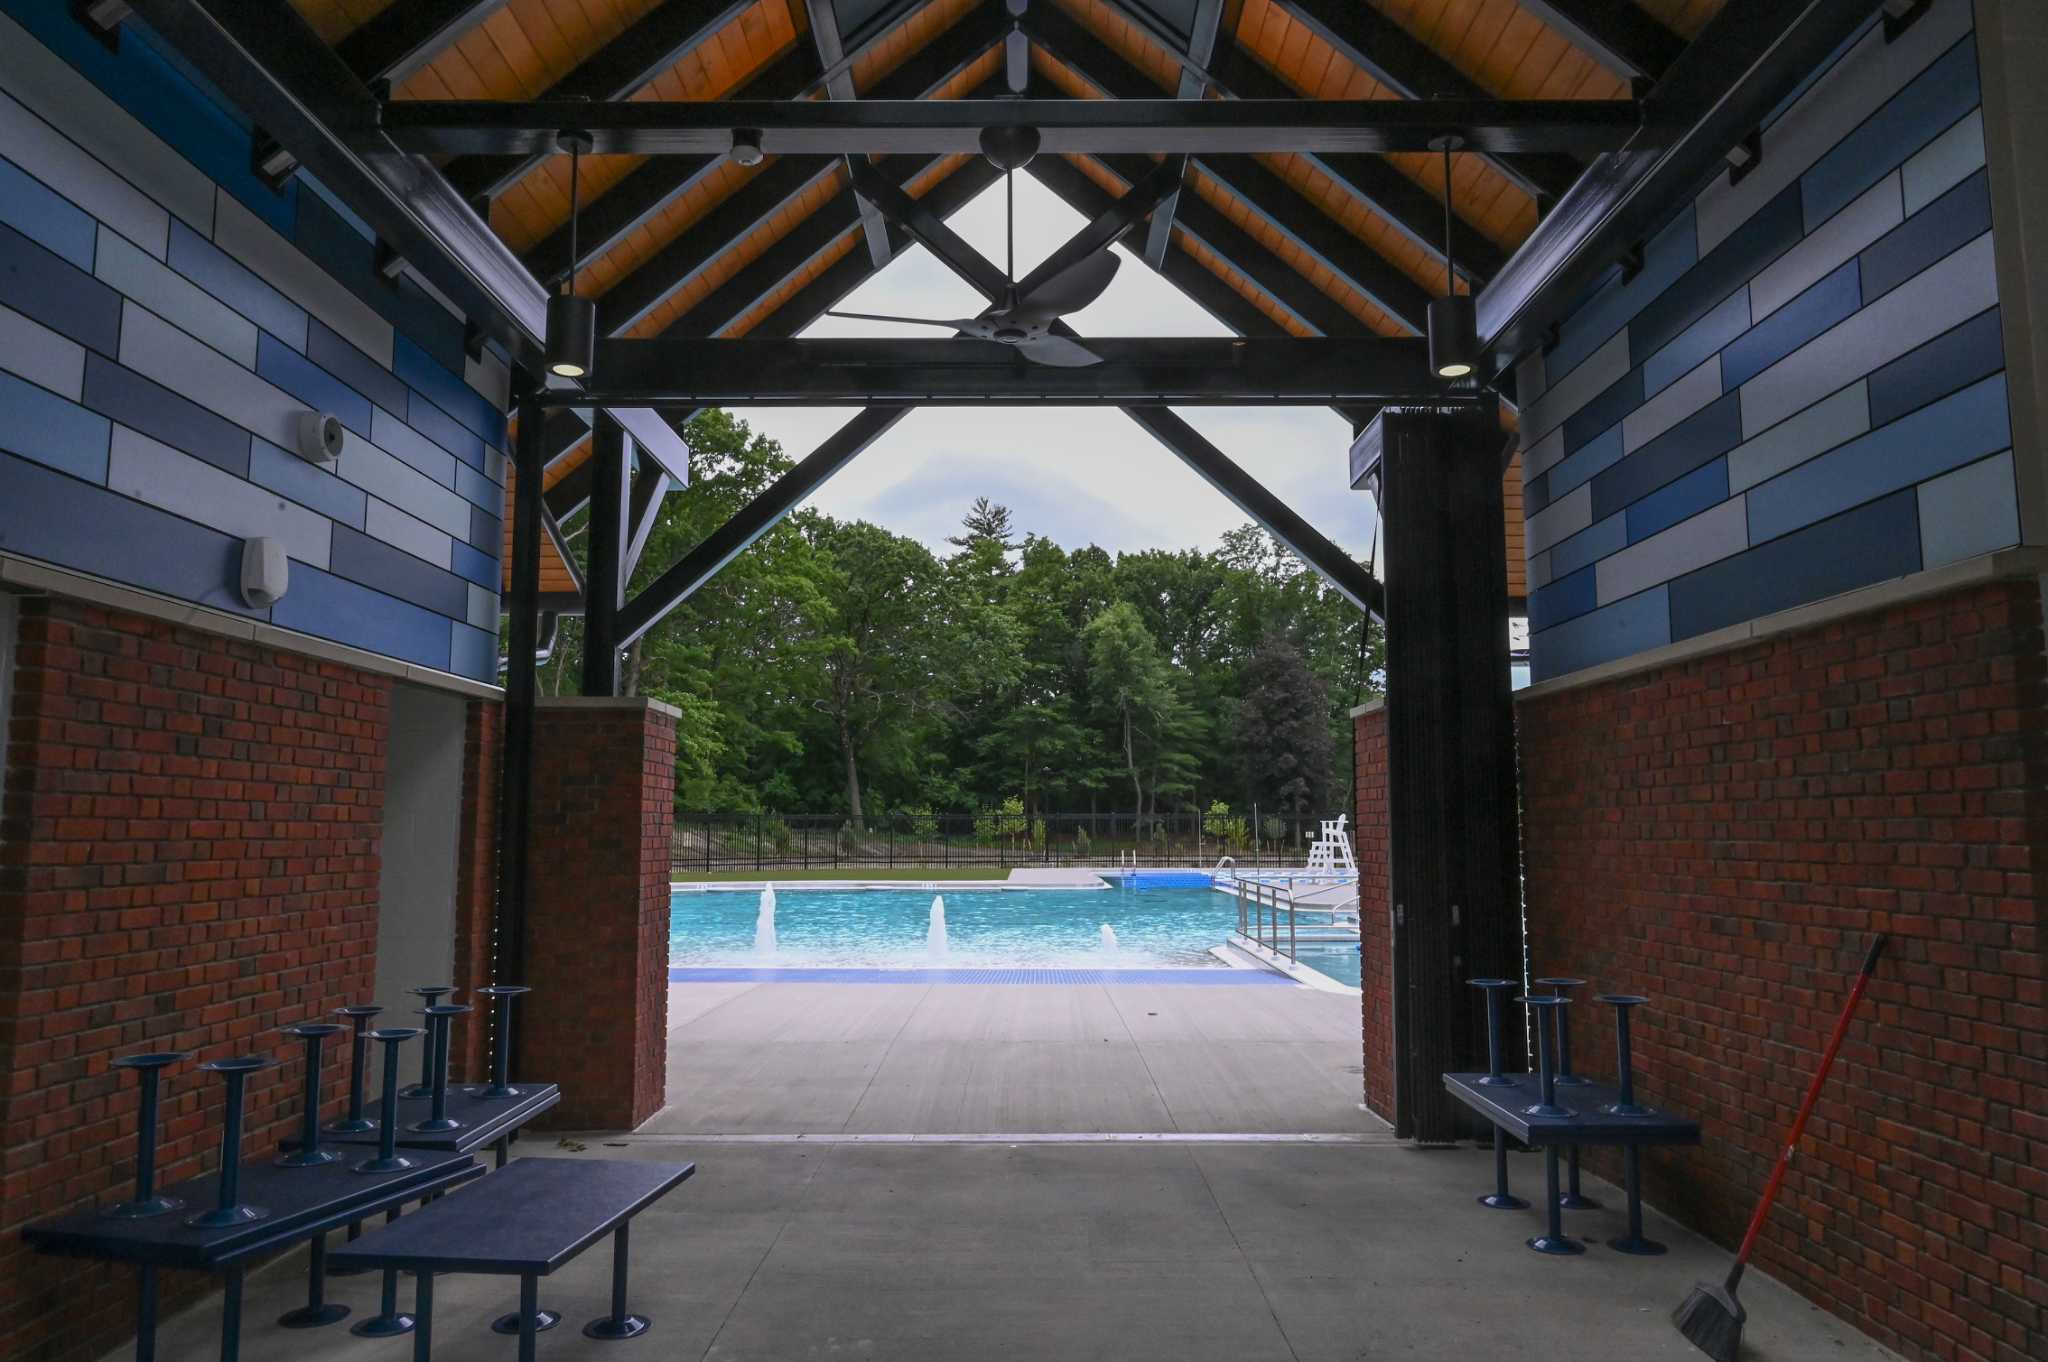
column 707, row 841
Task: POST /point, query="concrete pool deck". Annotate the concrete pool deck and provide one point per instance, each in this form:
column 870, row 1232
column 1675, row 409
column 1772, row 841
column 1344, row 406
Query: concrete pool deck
column 940, row 1058
column 1016, row 1173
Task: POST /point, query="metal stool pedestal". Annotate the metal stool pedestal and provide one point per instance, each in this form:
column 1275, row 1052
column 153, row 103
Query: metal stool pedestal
column 1574, row 1200
column 1634, row 1242
column 1553, row 1239
column 145, row 1203
column 1500, row 1199
column 229, row 1210
column 387, row 1321
column 429, row 994
column 440, row 1017
column 500, row 1087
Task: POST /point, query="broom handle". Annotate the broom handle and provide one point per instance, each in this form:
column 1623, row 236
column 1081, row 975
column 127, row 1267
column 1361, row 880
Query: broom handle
column 1820, row 1078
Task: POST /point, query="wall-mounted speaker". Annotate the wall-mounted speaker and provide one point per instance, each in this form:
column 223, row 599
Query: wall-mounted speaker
column 320, row 437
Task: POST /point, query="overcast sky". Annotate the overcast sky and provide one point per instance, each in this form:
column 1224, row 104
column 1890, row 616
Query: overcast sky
column 1076, row 475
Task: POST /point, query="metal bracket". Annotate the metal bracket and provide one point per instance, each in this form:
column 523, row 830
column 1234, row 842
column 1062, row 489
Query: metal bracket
column 102, row 18
column 270, row 162
column 1745, row 156
column 1900, row 15
column 390, row 264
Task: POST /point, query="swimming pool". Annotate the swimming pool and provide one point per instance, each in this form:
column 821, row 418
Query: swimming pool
column 888, row 928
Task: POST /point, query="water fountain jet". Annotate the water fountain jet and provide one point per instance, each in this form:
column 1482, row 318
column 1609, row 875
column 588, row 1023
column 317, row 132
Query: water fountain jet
column 764, row 925
column 1109, row 943
column 935, row 935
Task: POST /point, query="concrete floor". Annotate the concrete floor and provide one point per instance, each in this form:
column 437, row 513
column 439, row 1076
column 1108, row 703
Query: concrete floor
column 855, row 1199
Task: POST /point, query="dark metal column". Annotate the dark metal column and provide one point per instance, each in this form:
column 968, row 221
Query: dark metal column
column 515, row 803
column 1450, row 753
column 604, row 578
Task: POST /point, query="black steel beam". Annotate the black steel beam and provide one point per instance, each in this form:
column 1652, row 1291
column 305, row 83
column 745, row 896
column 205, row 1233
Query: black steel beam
column 959, row 371
column 1405, row 64
column 653, row 184
column 650, row 486
column 1391, row 289
column 515, row 773
column 882, row 127
column 679, row 261
column 1201, row 45
column 401, row 38
column 831, row 48
column 651, row 45
column 1749, row 58
column 1404, row 205
column 1619, row 34
column 611, row 459
column 1264, row 192
column 753, row 520
column 1335, row 566
column 1278, row 280
column 1202, row 286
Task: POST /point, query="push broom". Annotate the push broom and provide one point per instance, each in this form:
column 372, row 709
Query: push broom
column 1711, row 1317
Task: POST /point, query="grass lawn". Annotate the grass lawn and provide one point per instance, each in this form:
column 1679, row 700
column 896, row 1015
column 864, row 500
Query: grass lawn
column 985, row 872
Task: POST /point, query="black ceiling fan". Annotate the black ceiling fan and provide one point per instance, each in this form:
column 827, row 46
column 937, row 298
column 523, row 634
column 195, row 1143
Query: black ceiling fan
column 1024, row 315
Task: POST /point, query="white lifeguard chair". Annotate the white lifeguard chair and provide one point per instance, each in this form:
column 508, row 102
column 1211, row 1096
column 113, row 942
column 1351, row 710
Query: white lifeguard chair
column 1331, row 853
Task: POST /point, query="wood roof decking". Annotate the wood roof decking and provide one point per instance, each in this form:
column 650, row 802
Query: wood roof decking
column 1300, row 243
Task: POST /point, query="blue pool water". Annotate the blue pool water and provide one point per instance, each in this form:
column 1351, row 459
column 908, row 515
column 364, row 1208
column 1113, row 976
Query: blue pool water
column 886, row 928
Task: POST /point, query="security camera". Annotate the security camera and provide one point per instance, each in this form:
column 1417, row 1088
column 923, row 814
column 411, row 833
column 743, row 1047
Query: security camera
column 320, row 437
column 266, row 573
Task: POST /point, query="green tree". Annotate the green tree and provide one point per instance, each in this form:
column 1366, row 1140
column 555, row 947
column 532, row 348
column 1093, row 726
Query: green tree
column 1283, row 730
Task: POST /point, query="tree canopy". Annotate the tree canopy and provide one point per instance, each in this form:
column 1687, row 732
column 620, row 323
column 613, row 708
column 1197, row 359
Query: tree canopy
column 838, row 667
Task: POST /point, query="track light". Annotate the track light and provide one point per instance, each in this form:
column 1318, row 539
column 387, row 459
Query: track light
column 1453, row 322
column 746, row 147
column 572, row 321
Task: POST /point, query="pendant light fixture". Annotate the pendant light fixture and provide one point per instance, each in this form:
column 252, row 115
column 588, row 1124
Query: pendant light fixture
column 1453, row 324
column 572, row 321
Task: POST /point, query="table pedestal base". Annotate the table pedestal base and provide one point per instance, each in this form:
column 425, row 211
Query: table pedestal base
column 544, row 1320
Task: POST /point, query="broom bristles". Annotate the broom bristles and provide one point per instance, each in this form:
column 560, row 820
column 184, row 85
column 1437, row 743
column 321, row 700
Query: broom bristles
column 1711, row 1319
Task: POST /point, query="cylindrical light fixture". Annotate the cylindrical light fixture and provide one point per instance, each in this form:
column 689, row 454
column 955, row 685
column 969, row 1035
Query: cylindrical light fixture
column 572, row 321
column 1453, row 321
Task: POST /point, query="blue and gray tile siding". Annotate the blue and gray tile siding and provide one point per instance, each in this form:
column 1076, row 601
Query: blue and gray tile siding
column 1801, row 390
column 165, row 317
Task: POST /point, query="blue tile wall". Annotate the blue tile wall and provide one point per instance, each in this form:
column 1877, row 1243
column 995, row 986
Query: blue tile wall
column 1830, row 300
column 1815, row 514
column 1961, row 215
column 44, row 216
column 1869, row 544
column 142, row 404
column 41, row 284
column 302, row 271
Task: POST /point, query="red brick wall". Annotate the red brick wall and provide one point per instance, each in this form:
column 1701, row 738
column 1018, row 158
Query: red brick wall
column 188, row 860
column 1375, row 920
column 1724, row 834
column 597, row 925
column 476, row 884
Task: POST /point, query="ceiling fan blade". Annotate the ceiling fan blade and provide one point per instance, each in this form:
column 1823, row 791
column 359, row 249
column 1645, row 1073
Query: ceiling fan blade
column 1059, row 352
column 1072, row 289
column 1017, row 61
column 908, row 321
